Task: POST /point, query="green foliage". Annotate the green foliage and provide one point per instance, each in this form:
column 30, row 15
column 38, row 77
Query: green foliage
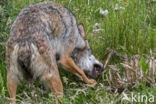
column 144, row 64
column 129, row 31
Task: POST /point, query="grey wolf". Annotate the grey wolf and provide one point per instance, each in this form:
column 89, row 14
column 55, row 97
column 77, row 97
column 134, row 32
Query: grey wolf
column 43, row 35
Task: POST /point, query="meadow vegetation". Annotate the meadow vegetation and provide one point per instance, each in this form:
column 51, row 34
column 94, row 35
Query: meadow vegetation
column 129, row 28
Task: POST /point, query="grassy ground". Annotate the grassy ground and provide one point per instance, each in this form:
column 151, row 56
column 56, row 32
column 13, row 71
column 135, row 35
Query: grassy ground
column 129, row 30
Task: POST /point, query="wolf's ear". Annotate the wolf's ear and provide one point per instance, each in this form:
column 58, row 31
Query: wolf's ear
column 81, row 28
column 87, row 44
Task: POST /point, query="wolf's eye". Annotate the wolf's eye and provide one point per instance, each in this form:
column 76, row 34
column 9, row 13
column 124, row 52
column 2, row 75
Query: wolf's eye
column 82, row 48
column 78, row 49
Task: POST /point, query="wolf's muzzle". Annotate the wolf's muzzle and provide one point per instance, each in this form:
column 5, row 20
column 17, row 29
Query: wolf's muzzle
column 96, row 71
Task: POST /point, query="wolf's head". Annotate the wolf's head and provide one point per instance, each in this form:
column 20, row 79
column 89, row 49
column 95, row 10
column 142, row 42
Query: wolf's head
column 84, row 58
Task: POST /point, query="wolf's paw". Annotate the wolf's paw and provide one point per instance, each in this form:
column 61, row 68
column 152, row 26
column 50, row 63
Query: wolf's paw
column 92, row 82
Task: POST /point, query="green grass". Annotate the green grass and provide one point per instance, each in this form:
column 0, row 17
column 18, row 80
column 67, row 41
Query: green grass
column 131, row 31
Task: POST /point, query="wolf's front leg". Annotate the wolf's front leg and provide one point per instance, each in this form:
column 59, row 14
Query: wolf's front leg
column 68, row 63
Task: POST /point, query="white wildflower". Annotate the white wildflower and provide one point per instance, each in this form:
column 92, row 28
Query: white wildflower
column 98, row 30
column 117, row 7
column 96, row 24
column 125, row 79
column 104, row 12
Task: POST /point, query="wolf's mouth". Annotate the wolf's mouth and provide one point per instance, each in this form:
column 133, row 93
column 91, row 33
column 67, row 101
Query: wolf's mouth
column 97, row 68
